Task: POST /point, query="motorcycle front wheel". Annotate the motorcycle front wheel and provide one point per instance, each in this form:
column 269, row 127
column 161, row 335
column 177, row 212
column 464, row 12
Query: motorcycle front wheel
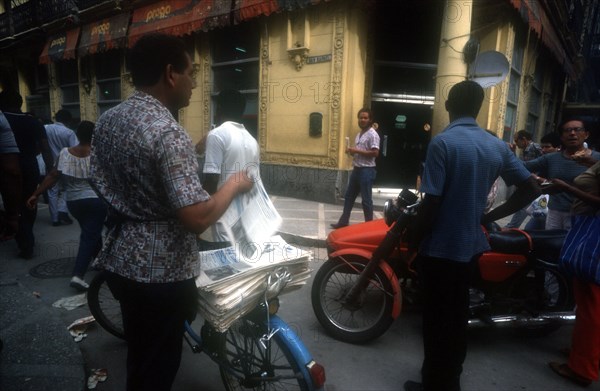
column 359, row 323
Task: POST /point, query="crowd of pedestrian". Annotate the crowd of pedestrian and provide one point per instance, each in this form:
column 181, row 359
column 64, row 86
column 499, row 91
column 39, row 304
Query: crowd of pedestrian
column 31, row 140
column 140, row 173
column 72, row 172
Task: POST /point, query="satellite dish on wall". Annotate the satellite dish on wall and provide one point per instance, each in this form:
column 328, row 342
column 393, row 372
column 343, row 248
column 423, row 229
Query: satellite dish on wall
column 489, row 68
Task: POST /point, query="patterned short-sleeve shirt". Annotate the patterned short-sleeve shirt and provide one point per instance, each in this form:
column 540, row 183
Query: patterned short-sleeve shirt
column 366, row 141
column 143, row 164
column 531, row 151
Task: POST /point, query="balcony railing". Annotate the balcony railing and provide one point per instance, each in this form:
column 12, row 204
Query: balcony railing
column 4, row 25
column 24, row 16
column 51, row 10
column 36, row 13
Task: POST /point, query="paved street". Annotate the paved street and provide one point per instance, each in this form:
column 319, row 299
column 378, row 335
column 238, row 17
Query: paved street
column 39, row 354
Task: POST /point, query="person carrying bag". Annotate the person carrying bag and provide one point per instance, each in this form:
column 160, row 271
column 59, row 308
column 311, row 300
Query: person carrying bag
column 580, row 257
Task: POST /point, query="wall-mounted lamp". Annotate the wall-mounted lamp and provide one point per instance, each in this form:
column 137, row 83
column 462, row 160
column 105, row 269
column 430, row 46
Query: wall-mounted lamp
column 298, row 41
column 86, row 74
column 315, row 127
column 128, row 79
column 528, row 80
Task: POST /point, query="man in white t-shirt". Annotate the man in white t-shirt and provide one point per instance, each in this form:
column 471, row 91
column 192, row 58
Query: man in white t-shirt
column 230, row 148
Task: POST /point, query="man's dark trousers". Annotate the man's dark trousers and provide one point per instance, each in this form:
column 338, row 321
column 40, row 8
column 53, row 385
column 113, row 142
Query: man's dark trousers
column 445, row 287
column 153, row 320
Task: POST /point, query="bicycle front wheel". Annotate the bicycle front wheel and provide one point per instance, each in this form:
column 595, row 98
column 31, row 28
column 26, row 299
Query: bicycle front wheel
column 104, row 307
column 255, row 363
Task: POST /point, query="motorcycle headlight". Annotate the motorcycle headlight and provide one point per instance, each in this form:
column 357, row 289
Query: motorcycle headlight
column 391, row 211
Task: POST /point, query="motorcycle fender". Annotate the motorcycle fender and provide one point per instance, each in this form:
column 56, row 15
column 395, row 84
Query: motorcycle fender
column 356, row 252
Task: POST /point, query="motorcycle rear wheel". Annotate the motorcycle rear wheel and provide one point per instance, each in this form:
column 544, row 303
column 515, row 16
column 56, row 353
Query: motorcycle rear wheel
column 353, row 325
column 557, row 297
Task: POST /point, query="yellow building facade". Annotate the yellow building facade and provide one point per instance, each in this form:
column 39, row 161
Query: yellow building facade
column 306, row 71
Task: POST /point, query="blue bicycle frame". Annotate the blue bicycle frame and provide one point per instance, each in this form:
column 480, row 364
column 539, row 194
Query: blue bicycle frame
column 312, row 372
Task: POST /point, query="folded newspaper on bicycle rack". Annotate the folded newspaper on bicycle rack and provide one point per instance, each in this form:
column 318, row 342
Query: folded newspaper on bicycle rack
column 231, row 283
column 235, row 279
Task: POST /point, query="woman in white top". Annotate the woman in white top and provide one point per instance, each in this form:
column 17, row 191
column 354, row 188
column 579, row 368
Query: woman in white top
column 71, row 170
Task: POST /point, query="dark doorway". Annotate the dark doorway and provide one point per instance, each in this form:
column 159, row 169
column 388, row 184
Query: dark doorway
column 405, row 132
column 406, row 40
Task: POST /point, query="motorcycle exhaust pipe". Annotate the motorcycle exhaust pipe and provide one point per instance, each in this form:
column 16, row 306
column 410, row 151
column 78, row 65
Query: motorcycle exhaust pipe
column 567, row 317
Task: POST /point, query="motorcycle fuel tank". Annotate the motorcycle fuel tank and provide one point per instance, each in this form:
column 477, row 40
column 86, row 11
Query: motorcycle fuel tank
column 366, row 236
column 497, row 267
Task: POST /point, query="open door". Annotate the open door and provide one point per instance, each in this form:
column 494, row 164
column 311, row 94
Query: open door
column 405, row 133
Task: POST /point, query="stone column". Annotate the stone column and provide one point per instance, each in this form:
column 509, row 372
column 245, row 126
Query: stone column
column 456, row 28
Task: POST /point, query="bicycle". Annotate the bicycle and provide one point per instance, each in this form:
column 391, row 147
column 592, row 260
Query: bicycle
column 259, row 351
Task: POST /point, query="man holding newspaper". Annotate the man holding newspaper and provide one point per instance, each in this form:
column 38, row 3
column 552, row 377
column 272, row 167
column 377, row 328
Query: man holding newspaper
column 242, row 248
column 143, row 165
column 229, row 149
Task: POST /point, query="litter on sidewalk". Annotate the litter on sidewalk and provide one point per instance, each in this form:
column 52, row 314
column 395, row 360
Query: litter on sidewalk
column 79, row 327
column 72, row 302
column 96, row 376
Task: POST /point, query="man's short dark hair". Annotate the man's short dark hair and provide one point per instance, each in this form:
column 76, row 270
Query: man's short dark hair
column 63, row 116
column 231, row 103
column 10, row 100
column 151, row 54
column 84, row 132
column 465, row 99
column 365, row 110
column 552, row 139
column 569, row 119
column 523, row 134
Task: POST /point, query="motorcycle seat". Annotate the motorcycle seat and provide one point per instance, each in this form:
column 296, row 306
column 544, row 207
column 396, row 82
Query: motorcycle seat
column 547, row 243
column 543, row 244
column 512, row 241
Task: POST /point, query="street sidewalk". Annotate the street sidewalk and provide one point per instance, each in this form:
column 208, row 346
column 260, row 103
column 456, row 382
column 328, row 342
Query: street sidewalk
column 39, row 353
column 307, row 223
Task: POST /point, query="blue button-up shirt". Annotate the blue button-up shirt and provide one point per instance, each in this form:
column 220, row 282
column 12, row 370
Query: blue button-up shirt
column 461, row 166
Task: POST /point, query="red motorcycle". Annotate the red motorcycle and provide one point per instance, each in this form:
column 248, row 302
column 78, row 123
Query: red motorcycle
column 359, row 291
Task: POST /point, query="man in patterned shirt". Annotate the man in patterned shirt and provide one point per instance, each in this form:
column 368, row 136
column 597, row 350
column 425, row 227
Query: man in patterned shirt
column 144, row 166
column 364, row 153
column 531, row 151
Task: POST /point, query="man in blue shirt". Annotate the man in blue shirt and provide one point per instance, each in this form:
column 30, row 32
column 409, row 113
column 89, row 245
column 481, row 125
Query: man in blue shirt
column 59, row 136
column 462, row 164
column 564, row 165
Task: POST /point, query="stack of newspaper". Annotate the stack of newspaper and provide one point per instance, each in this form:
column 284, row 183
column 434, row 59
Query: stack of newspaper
column 235, row 279
column 231, row 284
